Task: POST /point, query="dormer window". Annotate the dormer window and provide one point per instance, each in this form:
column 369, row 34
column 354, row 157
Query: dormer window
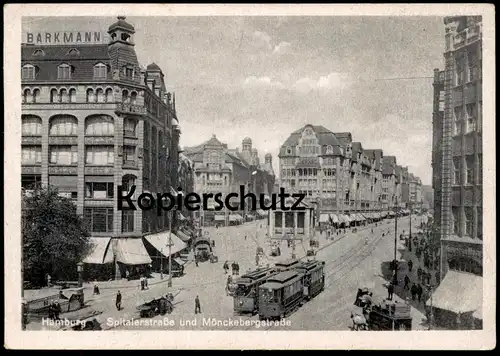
column 64, row 71
column 38, row 52
column 288, row 150
column 128, row 71
column 28, row 72
column 73, row 52
column 100, row 70
column 329, row 150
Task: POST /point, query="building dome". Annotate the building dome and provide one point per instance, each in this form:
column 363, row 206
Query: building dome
column 254, row 150
column 153, row 67
column 121, row 24
column 247, row 140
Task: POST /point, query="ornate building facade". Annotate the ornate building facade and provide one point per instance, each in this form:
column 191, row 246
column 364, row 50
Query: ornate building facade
column 93, row 119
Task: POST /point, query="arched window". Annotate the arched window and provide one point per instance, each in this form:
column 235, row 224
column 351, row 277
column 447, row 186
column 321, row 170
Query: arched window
column 26, row 96
column 28, row 72
column 72, row 95
column 36, row 95
column 99, row 125
column 133, row 98
column 109, row 95
column 125, row 97
column 100, row 95
column 64, row 98
column 289, row 150
column 100, row 70
column 38, row 52
column 329, row 149
column 125, row 37
column 63, row 125
column 31, row 125
column 90, row 95
column 64, row 71
column 129, row 126
column 54, row 96
column 128, row 181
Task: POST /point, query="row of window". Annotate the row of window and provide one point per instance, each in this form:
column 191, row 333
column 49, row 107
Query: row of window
column 468, row 223
column 68, row 155
column 67, row 125
column 64, row 95
column 467, row 67
column 468, row 176
column 65, row 71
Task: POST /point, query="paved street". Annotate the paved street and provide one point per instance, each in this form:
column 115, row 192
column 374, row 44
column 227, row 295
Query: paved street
column 350, row 264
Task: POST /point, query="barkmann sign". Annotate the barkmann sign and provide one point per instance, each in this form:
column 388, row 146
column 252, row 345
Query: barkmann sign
column 55, row 38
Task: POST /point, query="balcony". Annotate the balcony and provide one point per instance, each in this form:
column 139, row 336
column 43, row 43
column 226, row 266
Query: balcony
column 31, row 140
column 128, row 108
column 100, row 140
column 63, row 140
column 459, row 39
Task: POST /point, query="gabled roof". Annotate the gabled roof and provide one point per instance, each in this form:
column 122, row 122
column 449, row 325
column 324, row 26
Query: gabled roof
column 325, row 138
column 60, row 53
column 356, row 148
column 389, row 165
column 343, row 138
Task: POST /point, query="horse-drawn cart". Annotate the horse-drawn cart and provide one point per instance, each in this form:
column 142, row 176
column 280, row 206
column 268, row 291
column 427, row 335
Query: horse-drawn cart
column 150, row 304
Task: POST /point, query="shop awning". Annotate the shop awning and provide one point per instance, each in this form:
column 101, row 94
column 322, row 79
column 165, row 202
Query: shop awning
column 347, row 219
column 160, row 242
column 184, row 236
column 235, row 217
column 458, row 292
column 179, row 261
column 219, row 217
column 100, row 252
column 131, row 251
column 367, row 215
column 334, row 218
column 360, row 217
column 324, row 218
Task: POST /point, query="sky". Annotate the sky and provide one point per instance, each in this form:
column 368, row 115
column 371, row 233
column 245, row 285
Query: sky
column 265, row 77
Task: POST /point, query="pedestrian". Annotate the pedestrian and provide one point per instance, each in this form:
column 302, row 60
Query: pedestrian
column 256, row 259
column 142, row 283
column 419, row 274
column 413, row 291
column 245, row 237
column 237, row 269
column 407, row 282
column 118, row 301
column 410, row 265
column 57, row 310
column 226, row 267
column 233, row 268
column 49, row 279
column 127, row 274
column 51, row 310
column 197, row 305
column 390, row 291
column 96, row 289
column 196, row 260
column 419, row 292
column 146, row 281
column 358, row 294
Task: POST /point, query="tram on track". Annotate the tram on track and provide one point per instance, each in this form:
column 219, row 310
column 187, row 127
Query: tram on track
column 314, row 277
column 245, row 295
column 281, row 294
column 287, row 264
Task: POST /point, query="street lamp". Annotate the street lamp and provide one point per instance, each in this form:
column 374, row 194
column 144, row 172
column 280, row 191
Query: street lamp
column 395, row 264
column 79, row 269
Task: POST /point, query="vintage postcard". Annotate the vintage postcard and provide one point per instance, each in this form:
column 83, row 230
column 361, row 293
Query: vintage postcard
column 296, row 176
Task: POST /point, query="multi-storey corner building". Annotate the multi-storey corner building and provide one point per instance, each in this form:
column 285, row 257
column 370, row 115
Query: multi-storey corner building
column 337, row 175
column 389, row 186
column 222, row 170
column 93, row 119
column 457, row 162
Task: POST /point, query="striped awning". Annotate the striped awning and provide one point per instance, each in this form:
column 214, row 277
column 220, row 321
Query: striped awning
column 334, row 218
column 347, row 218
column 360, row 217
column 100, row 252
column 184, row 236
column 261, row 212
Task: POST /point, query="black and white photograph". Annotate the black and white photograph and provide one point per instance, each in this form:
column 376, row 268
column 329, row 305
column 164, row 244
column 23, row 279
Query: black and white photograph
column 276, row 169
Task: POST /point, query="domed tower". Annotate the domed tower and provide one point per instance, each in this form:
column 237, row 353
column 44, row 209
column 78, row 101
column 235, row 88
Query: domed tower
column 121, row 32
column 255, row 157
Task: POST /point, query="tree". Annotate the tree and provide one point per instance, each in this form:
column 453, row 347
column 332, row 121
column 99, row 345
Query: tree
column 54, row 237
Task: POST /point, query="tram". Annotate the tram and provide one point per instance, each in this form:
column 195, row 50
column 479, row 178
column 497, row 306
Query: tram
column 281, row 294
column 245, row 296
column 314, row 277
column 287, row 264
